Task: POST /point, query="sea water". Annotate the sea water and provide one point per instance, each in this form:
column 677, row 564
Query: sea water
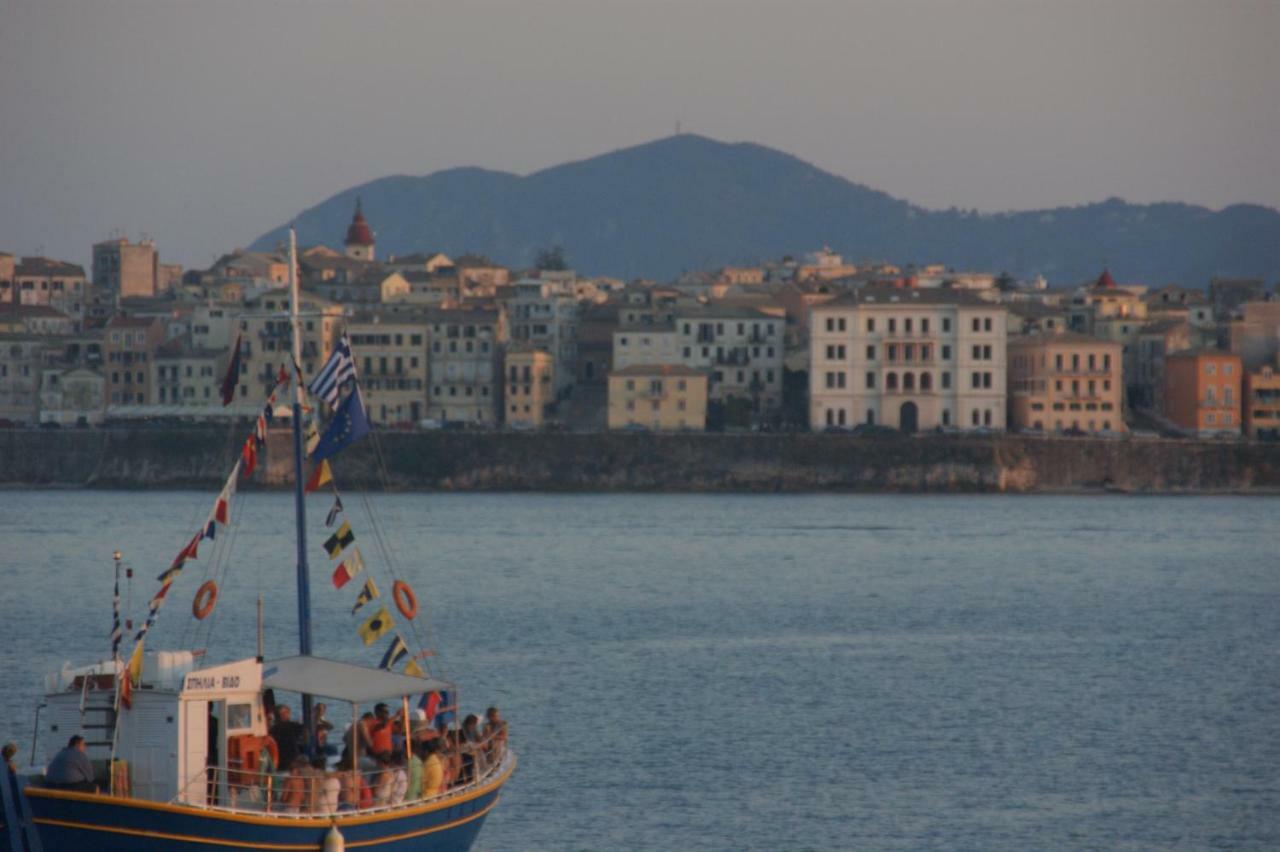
column 757, row 672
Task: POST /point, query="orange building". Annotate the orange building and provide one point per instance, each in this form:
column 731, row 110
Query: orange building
column 1202, row 391
column 1065, row 381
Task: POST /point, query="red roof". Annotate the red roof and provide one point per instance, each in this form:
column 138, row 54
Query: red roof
column 359, row 233
column 1105, row 281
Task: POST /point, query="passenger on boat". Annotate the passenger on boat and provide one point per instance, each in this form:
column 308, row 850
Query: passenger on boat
column 318, row 788
column 382, row 729
column 472, row 747
column 289, row 735
column 70, row 769
column 383, row 781
column 10, row 749
column 323, row 727
column 399, row 779
column 294, row 795
column 349, row 782
column 432, row 768
column 495, row 733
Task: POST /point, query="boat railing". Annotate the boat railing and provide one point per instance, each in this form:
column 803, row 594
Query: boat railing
column 331, row 792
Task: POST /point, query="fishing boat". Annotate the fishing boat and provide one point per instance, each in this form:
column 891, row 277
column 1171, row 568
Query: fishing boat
column 181, row 746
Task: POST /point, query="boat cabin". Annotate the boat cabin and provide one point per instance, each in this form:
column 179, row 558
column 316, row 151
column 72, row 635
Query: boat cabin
column 197, row 735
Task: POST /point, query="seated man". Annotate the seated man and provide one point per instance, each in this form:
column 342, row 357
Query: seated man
column 70, row 768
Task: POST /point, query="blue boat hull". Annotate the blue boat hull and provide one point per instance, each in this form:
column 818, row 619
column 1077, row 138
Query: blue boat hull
column 72, row 822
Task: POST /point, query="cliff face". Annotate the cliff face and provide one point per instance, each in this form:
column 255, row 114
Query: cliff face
column 459, row 461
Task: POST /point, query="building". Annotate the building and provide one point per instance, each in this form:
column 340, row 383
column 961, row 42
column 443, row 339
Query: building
column 1065, row 382
column 359, row 243
column 266, row 340
column 645, row 343
column 1254, row 333
column 1262, row 403
column 50, row 283
column 21, row 361
column 908, row 359
column 1156, row 341
column 1227, row 294
column 125, row 269
column 661, row 397
column 187, row 375
column 130, row 347
column 72, row 397
column 391, row 359
column 530, row 386
column 464, row 366
column 542, row 312
column 372, row 287
column 1202, row 392
column 740, row 348
column 480, row 277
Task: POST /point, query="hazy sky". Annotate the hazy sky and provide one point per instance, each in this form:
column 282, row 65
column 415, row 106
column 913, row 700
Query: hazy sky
column 203, row 124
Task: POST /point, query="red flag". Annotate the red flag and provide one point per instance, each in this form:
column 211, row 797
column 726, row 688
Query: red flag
column 320, row 476
column 232, row 378
column 282, row 377
column 249, row 455
column 189, row 552
column 260, row 430
column 341, row 576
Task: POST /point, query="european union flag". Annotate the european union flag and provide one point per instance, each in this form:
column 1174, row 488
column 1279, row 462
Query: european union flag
column 349, row 424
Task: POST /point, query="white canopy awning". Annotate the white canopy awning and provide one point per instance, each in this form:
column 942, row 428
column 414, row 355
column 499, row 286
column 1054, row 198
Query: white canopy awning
column 342, row 681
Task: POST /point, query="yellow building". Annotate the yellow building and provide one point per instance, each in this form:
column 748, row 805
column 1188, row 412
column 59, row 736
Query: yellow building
column 390, row 351
column 1065, row 381
column 266, row 341
column 530, row 386
column 659, row 397
column 1262, row 403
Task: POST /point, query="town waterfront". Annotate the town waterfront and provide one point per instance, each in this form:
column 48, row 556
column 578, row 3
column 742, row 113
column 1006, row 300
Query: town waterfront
column 772, row 672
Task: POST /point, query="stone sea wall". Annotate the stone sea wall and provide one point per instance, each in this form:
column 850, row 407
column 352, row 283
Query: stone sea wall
column 464, row 461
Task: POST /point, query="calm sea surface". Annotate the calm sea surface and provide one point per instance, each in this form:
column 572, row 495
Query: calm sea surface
column 794, row 672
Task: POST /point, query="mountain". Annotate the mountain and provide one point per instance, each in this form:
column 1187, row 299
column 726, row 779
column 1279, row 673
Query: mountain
column 687, row 202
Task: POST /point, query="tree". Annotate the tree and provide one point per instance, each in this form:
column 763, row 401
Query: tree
column 552, row 259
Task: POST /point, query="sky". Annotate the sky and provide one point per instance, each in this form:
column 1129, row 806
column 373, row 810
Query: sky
column 204, row 123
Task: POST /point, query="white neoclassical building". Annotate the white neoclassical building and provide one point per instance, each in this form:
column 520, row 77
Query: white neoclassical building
column 908, row 359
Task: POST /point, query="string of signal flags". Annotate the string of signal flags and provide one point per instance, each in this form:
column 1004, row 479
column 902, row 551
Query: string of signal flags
column 348, row 424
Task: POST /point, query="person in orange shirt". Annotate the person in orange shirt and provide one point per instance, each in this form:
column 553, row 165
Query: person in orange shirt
column 381, row 729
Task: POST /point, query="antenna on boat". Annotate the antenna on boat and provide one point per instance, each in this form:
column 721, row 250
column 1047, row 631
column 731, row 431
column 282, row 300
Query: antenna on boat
column 299, row 501
column 260, row 627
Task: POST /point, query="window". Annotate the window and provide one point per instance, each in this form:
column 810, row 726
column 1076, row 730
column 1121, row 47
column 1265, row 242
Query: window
column 974, row 413
column 975, row 380
column 977, row 353
column 871, row 324
column 946, row 380
column 986, row 324
column 924, row 325
column 871, row 381
column 946, row 324
column 977, row 326
column 986, row 417
column 906, row 325
column 871, row 352
column 946, row 353
column 986, row 353
column 926, row 381
column 891, row 351
column 986, row 380
column 893, row 325
column 891, row 381
column 839, row 325
column 1226, row 369
column 1210, row 369
column 831, row 324
column 908, row 381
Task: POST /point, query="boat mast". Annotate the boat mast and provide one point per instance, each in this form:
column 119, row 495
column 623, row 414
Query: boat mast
column 300, row 507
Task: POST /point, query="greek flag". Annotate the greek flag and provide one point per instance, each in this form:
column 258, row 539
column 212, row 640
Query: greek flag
column 339, row 369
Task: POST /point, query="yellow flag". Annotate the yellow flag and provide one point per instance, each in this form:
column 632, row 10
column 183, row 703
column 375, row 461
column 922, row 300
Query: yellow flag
column 378, row 625
column 413, row 669
column 135, row 665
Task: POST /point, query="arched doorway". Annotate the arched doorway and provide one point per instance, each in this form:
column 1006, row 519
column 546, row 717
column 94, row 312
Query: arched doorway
column 908, row 417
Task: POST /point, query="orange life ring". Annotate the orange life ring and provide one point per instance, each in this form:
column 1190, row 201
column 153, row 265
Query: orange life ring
column 206, row 597
column 406, row 602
